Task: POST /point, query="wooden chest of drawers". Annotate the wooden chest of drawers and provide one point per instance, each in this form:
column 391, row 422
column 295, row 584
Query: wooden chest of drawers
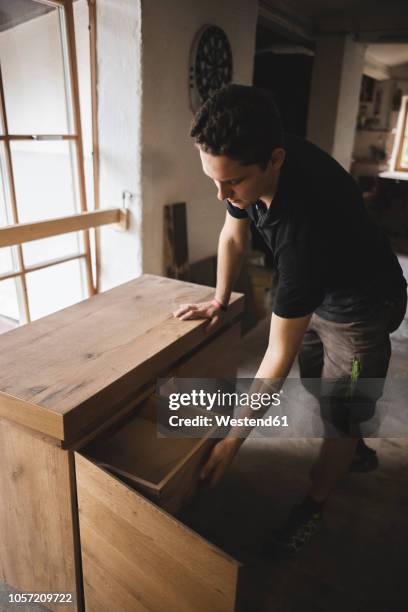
column 74, row 516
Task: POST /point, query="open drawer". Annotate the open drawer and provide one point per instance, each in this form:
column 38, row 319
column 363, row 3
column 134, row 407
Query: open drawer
column 135, row 554
column 166, row 470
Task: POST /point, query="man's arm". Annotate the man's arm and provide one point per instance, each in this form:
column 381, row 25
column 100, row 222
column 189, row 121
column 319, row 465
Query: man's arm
column 232, row 244
column 285, row 338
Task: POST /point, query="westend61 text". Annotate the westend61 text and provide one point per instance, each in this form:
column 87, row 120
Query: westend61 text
column 206, row 400
column 228, row 421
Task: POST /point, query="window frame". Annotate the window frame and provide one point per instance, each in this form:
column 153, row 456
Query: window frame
column 71, row 69
column 401, row 135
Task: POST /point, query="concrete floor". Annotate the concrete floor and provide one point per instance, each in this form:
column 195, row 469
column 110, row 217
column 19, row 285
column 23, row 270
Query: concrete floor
column 357, row 562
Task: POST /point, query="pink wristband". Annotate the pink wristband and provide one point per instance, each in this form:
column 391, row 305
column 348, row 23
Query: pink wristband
column 219, row 305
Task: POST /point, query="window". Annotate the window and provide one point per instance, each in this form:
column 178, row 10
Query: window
column 45, row 157
column 402, row 138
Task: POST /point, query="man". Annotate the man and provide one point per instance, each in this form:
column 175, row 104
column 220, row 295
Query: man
column 341, row 290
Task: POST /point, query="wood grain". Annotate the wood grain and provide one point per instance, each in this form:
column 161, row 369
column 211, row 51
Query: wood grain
column 39, row 542
column 165, row 469
column 79, row 363
column 218, row 358
column 27, row 414
column 175, row 248
column 137, row 557
column 27, row 232
column 136, row 451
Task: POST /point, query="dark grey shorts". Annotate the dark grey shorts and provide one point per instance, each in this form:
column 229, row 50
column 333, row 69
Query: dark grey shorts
column 345, row 365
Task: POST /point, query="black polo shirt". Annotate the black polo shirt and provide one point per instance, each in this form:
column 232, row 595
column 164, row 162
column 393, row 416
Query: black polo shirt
column 330, row 256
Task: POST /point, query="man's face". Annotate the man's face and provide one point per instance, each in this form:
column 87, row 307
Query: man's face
column 241, row 185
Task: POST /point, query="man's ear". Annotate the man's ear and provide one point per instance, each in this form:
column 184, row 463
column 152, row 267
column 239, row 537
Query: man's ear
column 277, row 158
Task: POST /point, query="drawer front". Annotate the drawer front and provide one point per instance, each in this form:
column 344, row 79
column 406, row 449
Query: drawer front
column 135, row 556
column 182, row 486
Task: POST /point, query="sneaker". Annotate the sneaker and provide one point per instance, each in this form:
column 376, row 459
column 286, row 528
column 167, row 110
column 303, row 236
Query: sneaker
column 295, row 534
column 365, row 459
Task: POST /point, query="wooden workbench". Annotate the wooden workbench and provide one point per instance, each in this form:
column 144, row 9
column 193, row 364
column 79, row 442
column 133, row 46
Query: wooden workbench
column 66, row 379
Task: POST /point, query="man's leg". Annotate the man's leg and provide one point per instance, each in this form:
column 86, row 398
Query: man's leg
column 311, row 362
column 364, row 459
column 304, row 519
column 335, row 459
column 340, row 346
column 353, row 351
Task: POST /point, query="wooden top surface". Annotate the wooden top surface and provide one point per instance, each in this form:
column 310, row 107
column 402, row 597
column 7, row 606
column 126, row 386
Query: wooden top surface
column 59, row 374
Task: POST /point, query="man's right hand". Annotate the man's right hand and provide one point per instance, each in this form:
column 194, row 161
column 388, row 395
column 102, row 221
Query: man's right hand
column 221, row 456
column 202, row 310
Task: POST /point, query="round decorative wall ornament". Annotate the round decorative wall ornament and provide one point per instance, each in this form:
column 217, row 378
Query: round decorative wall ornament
column 210, row 64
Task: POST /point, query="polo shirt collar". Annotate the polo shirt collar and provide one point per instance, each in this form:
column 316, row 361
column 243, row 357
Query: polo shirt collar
column 273, row 214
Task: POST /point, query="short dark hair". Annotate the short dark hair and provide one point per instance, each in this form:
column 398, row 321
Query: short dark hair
column 241, row 122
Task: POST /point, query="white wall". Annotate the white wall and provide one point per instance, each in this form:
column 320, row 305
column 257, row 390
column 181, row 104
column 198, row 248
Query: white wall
column 348, row 101
column 324, row 91
column 145, row 148
column 171, row 170
column 334, row 96
column 119, row 118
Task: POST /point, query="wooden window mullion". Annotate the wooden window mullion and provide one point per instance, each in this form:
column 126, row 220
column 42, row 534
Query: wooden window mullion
column 73, row 73
column 42, row 266
column 95, row 136
column 37, row 137
column 399, row 166
column 13, row 202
